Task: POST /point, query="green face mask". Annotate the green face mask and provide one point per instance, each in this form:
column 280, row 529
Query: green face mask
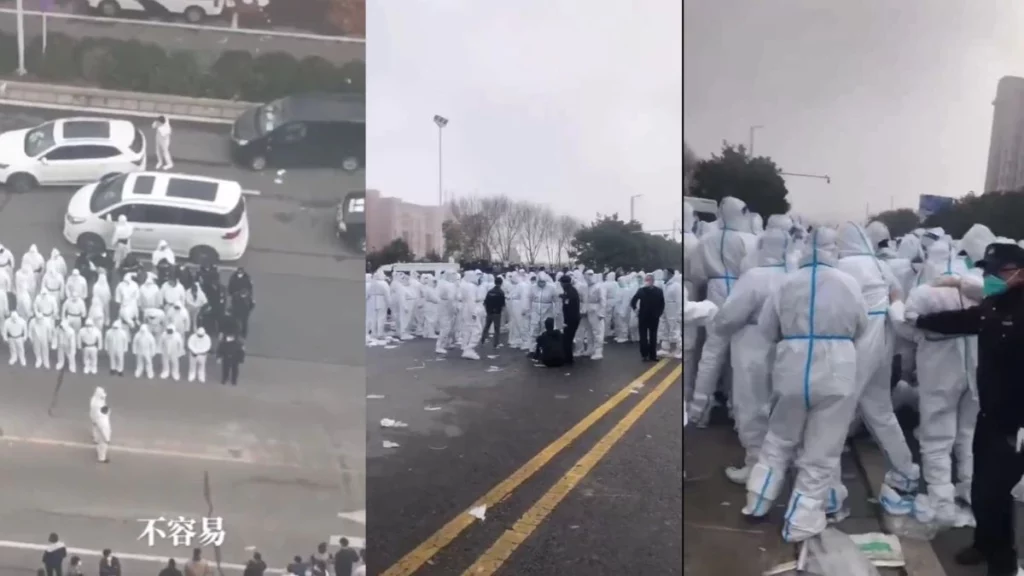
column 994, row 285
column 969, row 261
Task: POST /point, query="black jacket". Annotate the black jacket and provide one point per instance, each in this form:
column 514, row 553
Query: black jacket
column 231, row 351
column 494, row 302
column 239, row 282
column 111, row 568
column 999, row 324
column 54, row 555
column 550, row 348
column 570, row 303
column 651, row 300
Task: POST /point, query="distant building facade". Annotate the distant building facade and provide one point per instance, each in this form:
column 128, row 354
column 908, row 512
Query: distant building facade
column 1006, row 150
column 391, row 218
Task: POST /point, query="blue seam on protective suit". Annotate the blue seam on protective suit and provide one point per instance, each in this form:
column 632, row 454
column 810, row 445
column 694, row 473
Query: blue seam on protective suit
column 760, row 493
column 810, row 335
column 967, row 353
column 789, row 516
column 721, row 257
column 833, row 500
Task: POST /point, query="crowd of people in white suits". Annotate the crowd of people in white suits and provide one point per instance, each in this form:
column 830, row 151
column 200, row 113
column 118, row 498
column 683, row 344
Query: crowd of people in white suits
column 450, row 309
column 795, row 330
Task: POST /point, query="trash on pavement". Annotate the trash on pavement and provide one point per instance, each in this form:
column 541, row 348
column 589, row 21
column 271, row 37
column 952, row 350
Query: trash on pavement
column 478, row 512
column 493, row 369
column 389, row 423
column 390, row 444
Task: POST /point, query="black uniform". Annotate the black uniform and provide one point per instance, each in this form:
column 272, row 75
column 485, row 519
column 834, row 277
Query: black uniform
column 209, row 320
column 570, row 316
column 164, row 270
column 551, row 349
column 242, row 305
column 232, row 354
column 208, row 274
column 652, row 305
column 999, row 324
column 184, row 275
column 239, row 281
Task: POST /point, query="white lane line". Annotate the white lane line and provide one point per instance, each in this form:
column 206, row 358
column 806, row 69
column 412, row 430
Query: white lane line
column 146, row 452
column 358, row 516
column 122, row 555
column 112, row 111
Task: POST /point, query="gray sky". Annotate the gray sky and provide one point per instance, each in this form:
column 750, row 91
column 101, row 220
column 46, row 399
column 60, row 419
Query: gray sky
column 890, row 98
column 556, row 101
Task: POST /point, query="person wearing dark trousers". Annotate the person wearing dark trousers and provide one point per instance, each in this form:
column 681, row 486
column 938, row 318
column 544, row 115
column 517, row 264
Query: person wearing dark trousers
column 110, row 565
column 651, row 301
column 345, row 559
column 494, row 304
column 550, row 346
column 998, row 322
column 54, row 555
column 242, row 305
column 570, row 315
column 231, row 355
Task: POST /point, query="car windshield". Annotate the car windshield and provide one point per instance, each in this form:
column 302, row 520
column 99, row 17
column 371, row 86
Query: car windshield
column 39, row 140
column 269, row 116
column 108, row 192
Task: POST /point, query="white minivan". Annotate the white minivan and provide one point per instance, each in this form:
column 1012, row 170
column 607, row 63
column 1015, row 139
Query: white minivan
column 202, row 219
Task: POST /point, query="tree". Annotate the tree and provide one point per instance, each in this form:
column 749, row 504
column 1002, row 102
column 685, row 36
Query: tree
column 537, row 225
column 756, row 181
column 508, row 217
column 397, row 251
column 347, row 17
column 1002, row 212
column 473, row 220
column 899, row 222
column 610, row 244
column 690, row 162
column 452, row 234
column 432, row 256
column 564, row 233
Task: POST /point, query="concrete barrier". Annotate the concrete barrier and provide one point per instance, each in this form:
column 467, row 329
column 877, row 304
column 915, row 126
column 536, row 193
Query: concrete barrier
column 97, row 100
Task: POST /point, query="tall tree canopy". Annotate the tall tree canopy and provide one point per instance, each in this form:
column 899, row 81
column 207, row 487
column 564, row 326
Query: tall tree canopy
column 610, row 243
column 757, row 181
column 899, row 222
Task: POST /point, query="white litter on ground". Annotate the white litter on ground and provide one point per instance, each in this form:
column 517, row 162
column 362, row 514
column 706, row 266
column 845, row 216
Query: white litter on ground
column 492, row 356
column 389, row 423
column 374, row 396
column 479, row 512
column 390, row 444
column 390, row 347
column 420, row 367
column 431, row 408
column 493, row 369
column 281, row 172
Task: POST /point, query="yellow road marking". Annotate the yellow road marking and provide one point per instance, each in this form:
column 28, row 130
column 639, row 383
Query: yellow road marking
column 496, row 556
column 419, row 556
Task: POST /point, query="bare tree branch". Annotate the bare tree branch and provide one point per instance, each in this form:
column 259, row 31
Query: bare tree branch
column 537, row 223
column 566, row 230
column 509, row 227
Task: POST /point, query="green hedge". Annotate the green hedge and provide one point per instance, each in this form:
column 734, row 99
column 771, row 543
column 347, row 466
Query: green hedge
column 144, row 67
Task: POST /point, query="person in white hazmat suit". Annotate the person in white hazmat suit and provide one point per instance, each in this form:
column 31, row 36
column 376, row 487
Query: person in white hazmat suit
column 53, row 283
column 717, row 264
column 974, row 242
column 469, row 319
column 40, row 333
column 74, row 312
column 122, row 240
column 126, row 290
column 428, row 326
column 24, row 303
column 90, row 341
column 171, row 293
column 66, row 344
column 700, row 314
column 621, row 308
column 671, row 344
column 101, row 292
column 691, row 332
column 879, row 288
column 149, row 295
column 7, row 262
column 634, row 320
column 752, row 354
column 611, row 293
column 543, row 300
column 416, row 308
column 15, row 332
column 144, row 348
column 597, row 303
column 25, row 281
column 6, row 280
column 378, row 306
column 115, row 342
column 76, row 286
column 199, row 346
column 97, row 315
column 99, row 413
column 56, row 263
column 815, row 317
column 162, row 139
column 947, row 394
column 163, row 252
column 172, row 348
column 407, row 299
column 447, row 293
column 518, row 293
column 45, row 306
column 36, row 262
column 368, row 318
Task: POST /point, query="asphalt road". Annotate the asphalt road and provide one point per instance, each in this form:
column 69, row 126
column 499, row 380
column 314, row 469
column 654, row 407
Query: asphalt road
column 210, row 42
column 470, row 428
column 285, row 450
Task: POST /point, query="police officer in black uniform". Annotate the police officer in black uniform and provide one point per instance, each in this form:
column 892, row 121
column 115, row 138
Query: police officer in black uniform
column 242, row 305
column 231, row 354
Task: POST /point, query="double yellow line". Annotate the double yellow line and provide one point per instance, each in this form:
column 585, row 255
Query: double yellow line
column 491, row 560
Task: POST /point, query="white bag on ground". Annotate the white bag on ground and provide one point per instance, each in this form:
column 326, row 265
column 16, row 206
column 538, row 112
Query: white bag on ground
column 833, row 553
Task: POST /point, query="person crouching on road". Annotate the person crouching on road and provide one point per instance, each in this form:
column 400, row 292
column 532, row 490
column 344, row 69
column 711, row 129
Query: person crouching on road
column 550, row 346
column 162, row 131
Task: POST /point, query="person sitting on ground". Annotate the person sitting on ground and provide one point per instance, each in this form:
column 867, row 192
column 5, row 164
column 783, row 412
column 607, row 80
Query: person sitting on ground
column 550, row 351
column 171, row 569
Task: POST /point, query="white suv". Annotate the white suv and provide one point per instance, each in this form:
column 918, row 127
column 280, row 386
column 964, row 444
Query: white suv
column 70, row 151
column 202, row 219
column 193, row 11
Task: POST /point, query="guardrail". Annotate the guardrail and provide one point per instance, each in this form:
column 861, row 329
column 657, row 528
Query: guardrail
column 97, row 100
column 185, row 26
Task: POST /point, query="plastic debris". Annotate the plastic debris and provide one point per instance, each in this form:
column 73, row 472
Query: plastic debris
column 374, row 396
column 493, row 369
column 431, row 408
column 390, row 347
column 390, row 444
column 478, row 512
column 281, row 172
column 882, row 550
column 492, row 356
column 420, row 367
column 389, row 423
column 561, row 396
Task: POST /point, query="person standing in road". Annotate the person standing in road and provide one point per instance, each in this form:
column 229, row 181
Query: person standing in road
column 494, row 304
column 171, row 569
column 345, row 559
column 255, row 566
column 162, row 131
column 230, row 354
column 570, row 315
column 53, row 556
column 197, row 566
column 652, row 304
column 110, row 565
column 242, row 305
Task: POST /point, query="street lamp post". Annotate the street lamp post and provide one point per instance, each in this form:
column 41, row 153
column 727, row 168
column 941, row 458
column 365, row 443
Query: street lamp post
column 632, row 206
column 825, row 177
column 441, row 122
column 753, row 129
column 20, row 16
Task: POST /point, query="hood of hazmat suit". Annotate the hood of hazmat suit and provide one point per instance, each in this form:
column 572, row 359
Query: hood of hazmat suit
column 877, row 233
column 974, row 242
column 756, row 223
column 940, row 261
column 719, row 255
column 779, row 222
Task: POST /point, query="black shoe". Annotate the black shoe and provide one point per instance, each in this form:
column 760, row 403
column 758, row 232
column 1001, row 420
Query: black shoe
column 969, row 556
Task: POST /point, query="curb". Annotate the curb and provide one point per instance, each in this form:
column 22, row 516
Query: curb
column 919, row 555
column 78, row 98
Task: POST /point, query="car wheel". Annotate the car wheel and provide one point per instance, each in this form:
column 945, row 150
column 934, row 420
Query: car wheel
column 201, row 255
column 350, row 164
column 258, row 163
column 21, row 183
column 109, row 8
column 91, row 243
column 110, row 175
column 194, row 14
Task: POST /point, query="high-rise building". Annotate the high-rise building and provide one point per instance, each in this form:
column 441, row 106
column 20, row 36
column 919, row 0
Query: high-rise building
column 1006, row 150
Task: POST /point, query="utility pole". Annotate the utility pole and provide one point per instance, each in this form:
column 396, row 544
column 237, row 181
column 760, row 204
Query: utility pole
column 20, row 16
column 750, row 141
column 632, row 206
column 441, row 122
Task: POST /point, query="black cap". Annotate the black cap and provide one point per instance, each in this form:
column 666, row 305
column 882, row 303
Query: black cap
column 999, row 256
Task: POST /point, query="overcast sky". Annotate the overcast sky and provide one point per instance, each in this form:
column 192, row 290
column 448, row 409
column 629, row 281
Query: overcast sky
column 890, row 98
column 572, row 103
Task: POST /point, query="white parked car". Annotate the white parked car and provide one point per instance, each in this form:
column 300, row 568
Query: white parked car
column 70, row 151
column 202, row 219
column 193, row 11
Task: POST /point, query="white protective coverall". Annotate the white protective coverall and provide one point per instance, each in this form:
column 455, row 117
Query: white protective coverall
column 518, row 319
column 25, row 280
column 74, row 312
column 671, row 344
column 149, row 295
column 35, row 261
column 369, row 308
column 101, row 292
column 172, row 348
column 447, row 302
column 163, row 252
column 634, row 320
column 90, row 341
column 122, row 240
column 99, row 413
column 126, row 290
column 199, row 345
column 144, row 348
column 172, row 293
column 177, row 317
column 76, row 285
column 752, row 354
column 415, row 289
column 877, row 233
column 543, row 301
column 597, row 304
column 116, row 344
column 874, row 354
column 7, row 262
column 700, row 313
column 97, row 314
column 947, row 391
column 691, row 331
column 717, row 262
column 428, row 326
column 66, row 344
column 622, row 310
column 56, row 263
column 162, row 139
column 407, row 299
column 974, row 242
column 15, row 333
column 469, row 318
column 815, row 317
column 40, row 332
column 45, row 306
column 377, row 308
column 611, row 294
column 905, row 267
